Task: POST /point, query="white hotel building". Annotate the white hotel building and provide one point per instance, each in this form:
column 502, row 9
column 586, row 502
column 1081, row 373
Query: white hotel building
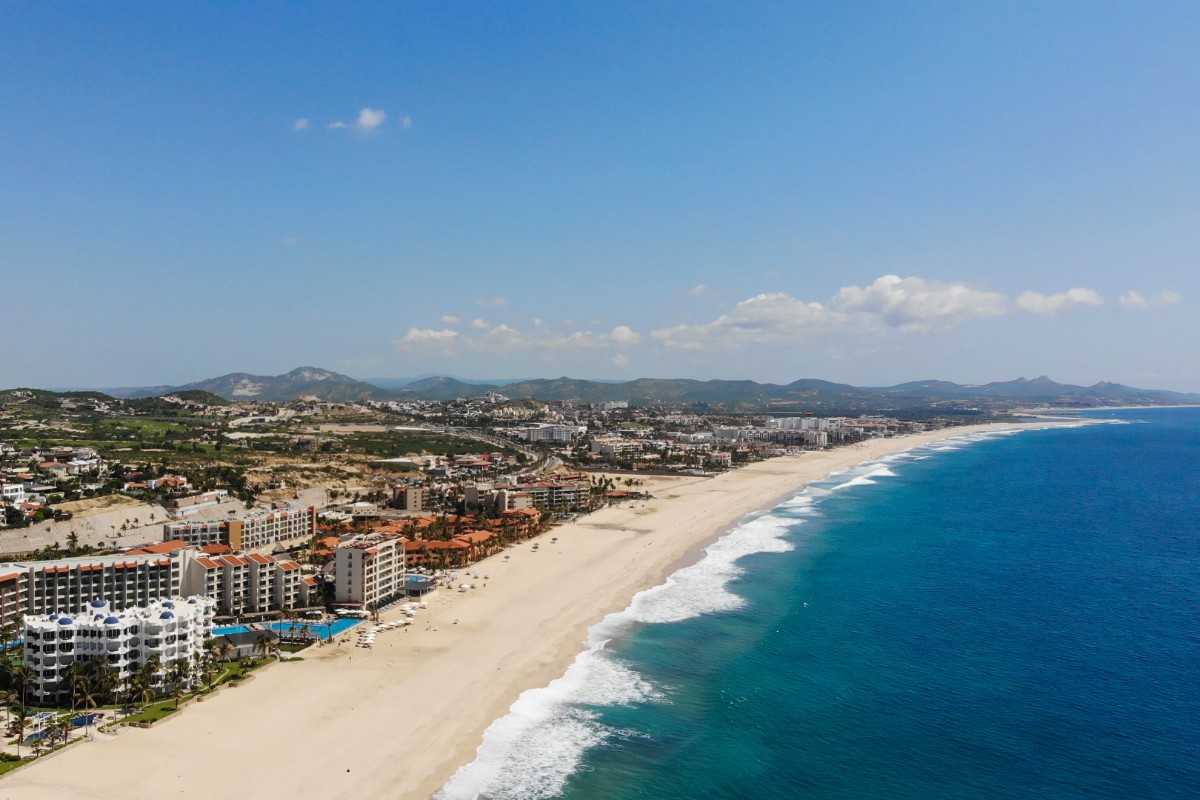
column 369, row 571
column 174, row 630
column 286, row 519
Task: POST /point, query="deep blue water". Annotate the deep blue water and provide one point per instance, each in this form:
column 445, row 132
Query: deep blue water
column 1018, row 617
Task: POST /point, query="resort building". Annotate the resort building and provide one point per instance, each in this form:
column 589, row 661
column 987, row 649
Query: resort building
column 249, row 584
column 44, row 587
column 186, row 506
column 410, row 498
column 285, row 520
column 369, row 571
column 174, row 630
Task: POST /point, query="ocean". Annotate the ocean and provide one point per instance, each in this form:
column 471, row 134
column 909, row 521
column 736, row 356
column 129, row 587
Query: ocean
column 1009, row 615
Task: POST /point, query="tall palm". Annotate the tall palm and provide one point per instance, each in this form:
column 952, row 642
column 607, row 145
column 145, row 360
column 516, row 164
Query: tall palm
column 75, row 676
column 21, row 677
column 19, row 719
column 10, row 699
column 108, row 681
column 262, row 645
column 89, row 696
column 223, row 651
column 179, row 675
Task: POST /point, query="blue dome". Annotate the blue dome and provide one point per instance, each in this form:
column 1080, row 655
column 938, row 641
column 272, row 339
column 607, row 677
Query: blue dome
column 64, row 620
column 53, row 617
column 98, row 616
column 112, row 621
column 191, row 601
column 168, row 604
column 98, row 603
column 166, row 615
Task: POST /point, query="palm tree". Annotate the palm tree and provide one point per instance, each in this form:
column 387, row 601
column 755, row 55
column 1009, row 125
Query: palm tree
column 180, row 673
column 75, row 676
column 223, row 651
column 262, row 644
column 108, row 681
column 90, row 696
column 58, row 729
column 140, row 690
column 19, row 720
column 21, row 677
column 10, row 699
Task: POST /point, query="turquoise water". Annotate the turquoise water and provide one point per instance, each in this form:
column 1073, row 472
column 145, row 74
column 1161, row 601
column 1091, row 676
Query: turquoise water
column 319, row 630
column 993, row 617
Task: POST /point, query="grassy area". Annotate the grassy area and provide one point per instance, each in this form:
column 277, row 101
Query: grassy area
column 153, row 712
column 9, row 766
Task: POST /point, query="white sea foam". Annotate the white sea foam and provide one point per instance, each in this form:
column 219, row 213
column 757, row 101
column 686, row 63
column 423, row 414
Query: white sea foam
column 866, row 475
column 531, row 752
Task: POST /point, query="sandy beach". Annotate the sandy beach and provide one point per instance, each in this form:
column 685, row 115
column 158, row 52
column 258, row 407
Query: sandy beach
column 398, row 720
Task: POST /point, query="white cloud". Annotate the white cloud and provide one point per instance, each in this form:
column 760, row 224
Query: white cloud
column 492, row 302
column 418, row 336
column 763, row 318
column 620, row 360
column 450, row 319
column 1132, row 299
column 915, row 304
column 370, row 118
column 301, row 124
column 698, row 290
column 333, row 126
column 624, row 335
column 1037, row 303
column 910, row 304
column 290, row 241
column 406, row 122
column 504, row 338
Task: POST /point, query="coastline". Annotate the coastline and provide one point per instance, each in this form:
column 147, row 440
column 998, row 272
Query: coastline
column 400, row 719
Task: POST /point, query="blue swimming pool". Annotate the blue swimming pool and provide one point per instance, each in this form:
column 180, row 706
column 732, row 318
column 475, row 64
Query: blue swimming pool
column 320, row 630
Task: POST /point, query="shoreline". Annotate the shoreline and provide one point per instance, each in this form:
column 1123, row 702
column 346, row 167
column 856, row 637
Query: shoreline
column 399, row 720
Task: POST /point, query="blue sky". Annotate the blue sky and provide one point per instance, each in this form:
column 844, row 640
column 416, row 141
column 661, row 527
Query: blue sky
column 862, row 192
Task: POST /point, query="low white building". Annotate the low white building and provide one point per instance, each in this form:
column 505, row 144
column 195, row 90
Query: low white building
column 174, row 630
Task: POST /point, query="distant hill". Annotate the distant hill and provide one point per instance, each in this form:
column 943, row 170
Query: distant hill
column 806, row 392
column 300, row 382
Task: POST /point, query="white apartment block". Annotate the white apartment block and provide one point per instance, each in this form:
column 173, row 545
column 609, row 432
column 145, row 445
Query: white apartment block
column 250, row 584
column 125, row 581
column 546, row 432
column 13, row 493
column 615, row 446
column 285, row 520
column 174, row 630
column 369, row 571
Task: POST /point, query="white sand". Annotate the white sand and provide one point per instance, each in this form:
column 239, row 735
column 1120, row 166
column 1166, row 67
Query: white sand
column 396, row 721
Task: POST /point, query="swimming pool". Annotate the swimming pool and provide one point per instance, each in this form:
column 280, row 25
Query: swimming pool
column 318, row 629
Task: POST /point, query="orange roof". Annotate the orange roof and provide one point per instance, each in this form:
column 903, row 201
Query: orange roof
column 329, row 541
column 163, row 548
column 310, row 580
column 475, row 537
column 234, row 561
column 287, row 566
column 207, row 563
column 10, row 576
column 259, row 558
column 216, row 549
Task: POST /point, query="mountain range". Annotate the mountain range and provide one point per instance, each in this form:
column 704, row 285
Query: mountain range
column 334, row 387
